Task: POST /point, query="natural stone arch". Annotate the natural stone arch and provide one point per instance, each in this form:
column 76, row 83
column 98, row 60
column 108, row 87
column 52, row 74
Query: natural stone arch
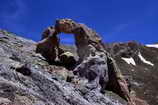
column 83, row 35
column 66, row 39
column 88, row 44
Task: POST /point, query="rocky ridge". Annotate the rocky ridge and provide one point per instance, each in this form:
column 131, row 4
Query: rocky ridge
column 95, row 63
column 28, row 79
column 142, row 73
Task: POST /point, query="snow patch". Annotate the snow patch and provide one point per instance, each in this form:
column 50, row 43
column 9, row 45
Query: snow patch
column 144, row 60
column 152, row 45
column 129, row 60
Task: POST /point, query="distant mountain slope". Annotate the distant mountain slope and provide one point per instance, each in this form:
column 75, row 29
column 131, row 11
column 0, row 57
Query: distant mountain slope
column 139, row 63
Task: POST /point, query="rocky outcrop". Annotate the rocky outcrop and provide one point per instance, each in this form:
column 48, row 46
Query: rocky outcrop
column 68, row 60
column 127, row 50
column 142, row 75
column 94, row 68
column 95, row 63
column 84, row 36
column 26, row 78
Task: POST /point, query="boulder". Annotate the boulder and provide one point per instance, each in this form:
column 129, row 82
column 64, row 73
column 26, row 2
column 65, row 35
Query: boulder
column 68, row 60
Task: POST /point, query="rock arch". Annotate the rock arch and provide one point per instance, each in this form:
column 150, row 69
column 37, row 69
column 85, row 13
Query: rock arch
column 91, row 52
column 83, row 35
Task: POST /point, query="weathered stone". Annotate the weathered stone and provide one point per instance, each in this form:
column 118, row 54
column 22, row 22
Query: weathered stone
column 23, row 69
column 43, row 87
column 48, row 32
column 95, row 69
column 49, row 48
column 5, row 101
column 129, row 49
column 68, row 60
column 65, row 25
column 89, row 44
column 84, row 36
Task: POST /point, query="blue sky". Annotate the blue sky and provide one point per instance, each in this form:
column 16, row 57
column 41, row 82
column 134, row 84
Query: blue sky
column 114, row 20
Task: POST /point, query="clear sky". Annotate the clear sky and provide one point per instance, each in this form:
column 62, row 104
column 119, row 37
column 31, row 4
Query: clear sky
column 114, row 20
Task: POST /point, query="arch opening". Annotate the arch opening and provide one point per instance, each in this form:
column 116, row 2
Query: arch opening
column 67, row 39
column 87, row 42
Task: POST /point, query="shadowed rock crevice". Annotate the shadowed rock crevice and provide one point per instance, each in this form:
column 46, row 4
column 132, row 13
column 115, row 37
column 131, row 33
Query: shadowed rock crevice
column 23, row 69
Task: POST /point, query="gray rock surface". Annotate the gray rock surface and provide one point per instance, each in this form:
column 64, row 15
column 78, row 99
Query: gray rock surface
column 27, row 79
column 89, row 43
